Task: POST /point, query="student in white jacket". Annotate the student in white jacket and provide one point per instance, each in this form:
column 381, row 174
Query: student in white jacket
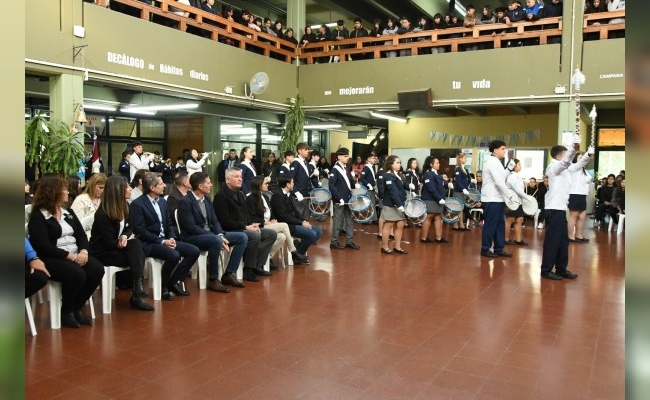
column 194, row 163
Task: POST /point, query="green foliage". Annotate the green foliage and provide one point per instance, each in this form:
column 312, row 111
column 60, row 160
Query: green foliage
column 294, row 123
column 53, row 147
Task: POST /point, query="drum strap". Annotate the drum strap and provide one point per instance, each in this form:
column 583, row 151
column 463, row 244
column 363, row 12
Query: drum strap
column 303, row 164
column 341, row 170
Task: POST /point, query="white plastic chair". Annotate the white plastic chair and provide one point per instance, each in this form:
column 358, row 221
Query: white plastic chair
column 30, row 316
column 619, row 226
column 108, row 287
column 155, row 277
column 200, row 267
column 54, row 294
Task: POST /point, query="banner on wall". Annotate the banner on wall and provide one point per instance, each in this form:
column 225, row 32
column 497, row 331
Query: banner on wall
column 514, row 139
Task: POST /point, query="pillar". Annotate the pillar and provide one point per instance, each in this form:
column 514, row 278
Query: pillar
column 66, row 93
column 212, row 142
column 297, row 16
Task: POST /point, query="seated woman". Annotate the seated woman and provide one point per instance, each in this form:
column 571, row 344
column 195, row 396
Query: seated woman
column 112, row 241
column 85, row 205
column 59, row 239
column 259, row 210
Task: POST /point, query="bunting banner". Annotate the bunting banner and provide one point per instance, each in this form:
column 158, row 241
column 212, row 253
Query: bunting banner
column 521, row 138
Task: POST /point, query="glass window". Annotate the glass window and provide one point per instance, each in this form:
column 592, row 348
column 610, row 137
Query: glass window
column 124, row 127
column 152, row 128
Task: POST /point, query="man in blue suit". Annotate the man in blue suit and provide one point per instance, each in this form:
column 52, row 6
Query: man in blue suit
column 199, row 226
column 152, row 225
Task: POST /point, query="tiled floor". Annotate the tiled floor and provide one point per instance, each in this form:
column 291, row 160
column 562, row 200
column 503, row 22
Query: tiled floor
column 440, row 323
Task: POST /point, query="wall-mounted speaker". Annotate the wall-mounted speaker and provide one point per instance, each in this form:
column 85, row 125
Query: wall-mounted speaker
column 415, row 99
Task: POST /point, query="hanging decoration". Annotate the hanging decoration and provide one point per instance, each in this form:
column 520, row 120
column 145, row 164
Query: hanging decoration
column 520, row 138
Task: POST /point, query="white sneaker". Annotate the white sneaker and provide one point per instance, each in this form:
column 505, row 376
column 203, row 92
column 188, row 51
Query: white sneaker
column 540, row 225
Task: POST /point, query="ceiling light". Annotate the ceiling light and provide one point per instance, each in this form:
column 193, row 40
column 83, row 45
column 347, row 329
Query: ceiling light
column 387, row 116
column 136, row 111
column 99, row 107
column 231, row 126
column 322, row 126
column 164, row 107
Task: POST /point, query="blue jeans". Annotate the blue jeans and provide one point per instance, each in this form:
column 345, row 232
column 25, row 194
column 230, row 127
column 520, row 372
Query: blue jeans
column 212, row 244
column 188, row 251
column 308, row 236
column 237, row 241
column 494, row 227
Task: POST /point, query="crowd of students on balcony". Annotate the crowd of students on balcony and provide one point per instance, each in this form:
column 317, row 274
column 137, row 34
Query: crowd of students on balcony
column 513, row 12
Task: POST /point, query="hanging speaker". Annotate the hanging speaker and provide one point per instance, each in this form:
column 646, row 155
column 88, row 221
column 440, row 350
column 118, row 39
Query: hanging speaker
column 415, row 99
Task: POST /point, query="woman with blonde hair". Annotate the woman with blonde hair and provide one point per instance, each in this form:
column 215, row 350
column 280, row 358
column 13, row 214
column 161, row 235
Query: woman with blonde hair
column 87, row 203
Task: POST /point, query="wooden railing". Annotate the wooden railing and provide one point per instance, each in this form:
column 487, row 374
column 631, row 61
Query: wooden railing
column 214, row 27
column 452, row 39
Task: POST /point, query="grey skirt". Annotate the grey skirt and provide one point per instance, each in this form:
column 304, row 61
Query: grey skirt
column 433, row 207
column 392, row 214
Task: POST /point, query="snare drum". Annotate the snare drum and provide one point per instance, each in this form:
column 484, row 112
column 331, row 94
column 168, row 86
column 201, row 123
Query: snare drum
column 453, row 208
column 512, row 200
column 529, row 205
column 320, row 202
column 361, row 208
column 473, row 198
column 359, row 190
column 415, row 210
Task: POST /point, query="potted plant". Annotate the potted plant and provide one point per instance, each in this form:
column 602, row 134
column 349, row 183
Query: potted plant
column 52, row 147
column 294, row 123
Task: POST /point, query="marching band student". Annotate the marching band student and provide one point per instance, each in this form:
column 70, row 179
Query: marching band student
column 380, row 197
column 301, row 179
column 580, row 181
column 247, row 169
column 341, row 184
column 412, row 175
column 461, row 184
column 193, row 163
column 369, row 180
column 314, row 172
column 285, row 168
column 433, row 195
column 515, row 217
column 138, row 159
column 394, row 200
column 556, row 240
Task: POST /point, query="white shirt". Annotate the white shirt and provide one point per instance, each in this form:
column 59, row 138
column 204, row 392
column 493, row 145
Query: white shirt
column 67, row 241
column 580, row 181
column 139, row 162
column 559, row 180
column 515, row 183
column 194, row 166
column 494, row 181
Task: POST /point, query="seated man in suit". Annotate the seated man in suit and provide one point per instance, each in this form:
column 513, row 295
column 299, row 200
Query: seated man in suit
column 151, row 224
column 230, row 207
column 181, row 187
column 285, row 210
column 199, row 226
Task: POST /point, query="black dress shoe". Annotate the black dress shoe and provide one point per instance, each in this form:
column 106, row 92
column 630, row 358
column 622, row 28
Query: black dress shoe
column 568, row 275
column 299, row 258
column 400, row 251
column 178, row 290
column 249, row 275
column 69, row 321
column 503, row 253
column 230, row 279
column 509, row 242
column 261, row 272
column 337, row 246
column 165, row 294
column 427, row 240
column 82, row 319
column 488, row 254
column 552, row 276
column 273, row 266
column 521, row 243
column 352, row 245
column 384, row 251
column 138, row 303
column 442, row 240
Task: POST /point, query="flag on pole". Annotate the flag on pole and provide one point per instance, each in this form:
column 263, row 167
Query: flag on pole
column 95, row 159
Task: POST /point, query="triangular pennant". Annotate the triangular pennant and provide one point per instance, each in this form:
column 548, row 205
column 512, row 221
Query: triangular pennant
column 465, row 139
column 458, row 139
column 522, row 137
column 472, row 140
column 538, row 134
column 515, row 138
column 529, row 136
column 451, row 138
column 507, row 140
column 443, row 135
column 432, row 135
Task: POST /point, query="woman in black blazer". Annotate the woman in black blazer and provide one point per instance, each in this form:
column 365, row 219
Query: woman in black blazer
column 112, row 241
column 59, row 239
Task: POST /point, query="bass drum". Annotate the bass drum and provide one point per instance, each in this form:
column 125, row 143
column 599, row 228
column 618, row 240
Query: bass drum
column 320, row 202
column 361, row 208
column 453, row 208
column 415, row 210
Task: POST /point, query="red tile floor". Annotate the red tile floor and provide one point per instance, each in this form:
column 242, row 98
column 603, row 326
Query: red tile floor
column 439, row 323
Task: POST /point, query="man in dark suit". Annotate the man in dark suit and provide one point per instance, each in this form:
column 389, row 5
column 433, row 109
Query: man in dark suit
column 230, row 207
column 199, row 226
column 229, row 162
column 301, row 179
column 181, row 187
column 285, row 210
column 151, row 224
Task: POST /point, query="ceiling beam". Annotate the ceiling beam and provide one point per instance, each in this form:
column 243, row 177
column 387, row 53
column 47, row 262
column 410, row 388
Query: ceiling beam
column 521, row 110
column 477, row 111
column 397, row 9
